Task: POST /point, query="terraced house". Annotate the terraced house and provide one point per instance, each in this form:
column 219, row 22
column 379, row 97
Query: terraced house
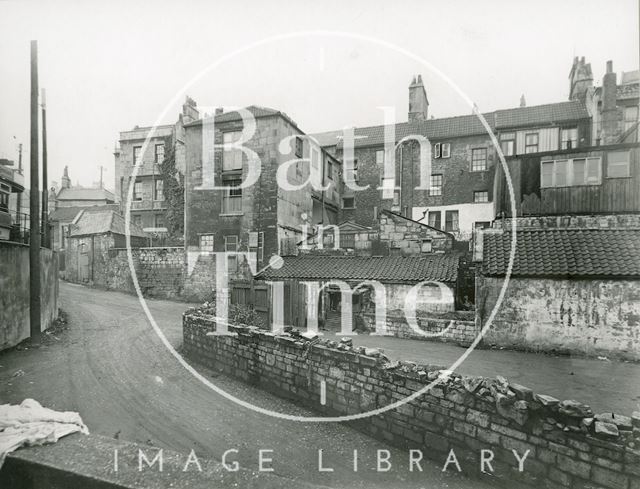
column 460, row 197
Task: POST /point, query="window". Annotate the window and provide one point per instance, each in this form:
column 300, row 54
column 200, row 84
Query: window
column 569, row 138
column 231, row 245
column 618, row 164
column 136, row 154
column 426, row 246
column 329, row 170
column 508, row 143
column 232, row 197
column 355, row 170
column 380, row 157
column 136, row 219
column 159, row 190
column 159, row 221
column 437, row 150
column 567, row 173
column 630, row 117
column 256, row 244
column 348, row 203
column 451, row 221
column 206, row 242
column 396, row 197
column 4, row 201
column 531, row 142
column 435, row 187
column 298, row 147
column 232, row 157
column 481, row 196
column 348, row 241
column 446, row 150
column 434, row 219
column 479, row 159
column 159, row 153
column 137, row 191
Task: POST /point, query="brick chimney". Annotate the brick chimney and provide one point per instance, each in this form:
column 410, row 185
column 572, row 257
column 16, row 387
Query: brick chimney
column 609, row 109
column 418, row 102
column 580, row 79
column 190, row 110
column 65, row 182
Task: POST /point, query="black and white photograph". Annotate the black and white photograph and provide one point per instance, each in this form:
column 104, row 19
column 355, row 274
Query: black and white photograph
column 320, row 244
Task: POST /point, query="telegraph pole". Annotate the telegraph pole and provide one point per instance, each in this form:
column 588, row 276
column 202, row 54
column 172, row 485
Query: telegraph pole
column 34, row 220
column 45, row 197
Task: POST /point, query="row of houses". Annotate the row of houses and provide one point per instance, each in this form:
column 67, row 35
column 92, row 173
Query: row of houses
column 574, row 173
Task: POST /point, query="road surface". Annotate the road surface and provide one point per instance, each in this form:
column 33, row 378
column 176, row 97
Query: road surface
column 111, row 368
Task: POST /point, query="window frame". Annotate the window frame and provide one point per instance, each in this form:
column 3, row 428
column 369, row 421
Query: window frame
column 570, row 172
column 445, row 150
column 155, row 153
column 510, row 138
column 380, row 160
column 474, row 160
column 628, row 163
column 155, row 190
column 475, row 194
column 299, row 147
column 138, row 156
column 227, row 208
column 353, row 200
column 200, row 242
column 527, row 146
column 155, row 221
column 437, row 150
column 438, row 187
column 574, row 141
column 438, row 222
column 452, row 213
column 135, row 196
column 237, row 166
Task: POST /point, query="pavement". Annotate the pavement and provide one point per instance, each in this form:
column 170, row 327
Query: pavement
column 110, row 367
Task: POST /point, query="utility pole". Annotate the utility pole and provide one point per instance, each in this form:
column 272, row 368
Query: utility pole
column 45, row 197
column 34, row 221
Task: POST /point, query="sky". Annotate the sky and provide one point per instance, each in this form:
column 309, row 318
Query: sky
column 108, row 66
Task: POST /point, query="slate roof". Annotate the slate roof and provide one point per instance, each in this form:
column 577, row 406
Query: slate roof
column 101, row 222
column 393, row 269
column 564, row 253
column 69, row 213
column 80, row 193
column 466, row 125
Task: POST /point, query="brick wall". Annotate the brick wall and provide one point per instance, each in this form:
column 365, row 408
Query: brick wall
column 566, row 445
column 590, row 317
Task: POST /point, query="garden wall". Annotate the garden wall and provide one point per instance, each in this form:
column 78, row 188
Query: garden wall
column 562, row 444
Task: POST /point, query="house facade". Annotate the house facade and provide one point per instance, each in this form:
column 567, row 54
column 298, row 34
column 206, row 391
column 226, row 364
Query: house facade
column 264, row 218
column 148, row 205
column 459, row 194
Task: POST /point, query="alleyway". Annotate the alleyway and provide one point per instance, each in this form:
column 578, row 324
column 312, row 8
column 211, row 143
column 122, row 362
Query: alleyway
column 110, row 366
column 605, row 385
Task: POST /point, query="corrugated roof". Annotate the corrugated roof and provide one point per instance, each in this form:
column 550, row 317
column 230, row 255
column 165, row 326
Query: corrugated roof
column 564, row 253
column 79, row 193
column 104, row 221
column 465, row 125
column 398, row 269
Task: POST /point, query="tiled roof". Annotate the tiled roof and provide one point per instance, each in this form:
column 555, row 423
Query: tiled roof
column 104, row 221
column 397, row 269
column 80, row 193
column 69, row 213
column 465, row 125
column 564, row 253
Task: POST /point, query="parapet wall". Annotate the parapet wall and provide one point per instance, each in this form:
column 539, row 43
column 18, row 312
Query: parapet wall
column 560, row 443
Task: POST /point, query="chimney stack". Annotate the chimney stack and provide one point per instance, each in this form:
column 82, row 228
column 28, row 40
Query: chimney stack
column 609, row 109
column 523, row 102
column 65, row 182
column 418, row 102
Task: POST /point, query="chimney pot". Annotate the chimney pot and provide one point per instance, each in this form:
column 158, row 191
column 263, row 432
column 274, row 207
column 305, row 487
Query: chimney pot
column 610, row 66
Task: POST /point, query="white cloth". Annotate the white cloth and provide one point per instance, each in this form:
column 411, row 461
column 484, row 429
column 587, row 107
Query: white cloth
column 31, row 424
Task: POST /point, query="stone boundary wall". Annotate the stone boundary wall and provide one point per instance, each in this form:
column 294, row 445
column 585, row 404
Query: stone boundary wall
column 460, row 332
column 567, row 446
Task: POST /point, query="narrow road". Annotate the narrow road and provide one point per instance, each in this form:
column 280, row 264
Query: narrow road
column 111, row 368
